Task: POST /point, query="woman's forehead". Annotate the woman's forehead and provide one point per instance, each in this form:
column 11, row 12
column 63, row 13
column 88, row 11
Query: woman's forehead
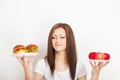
column 59, row 31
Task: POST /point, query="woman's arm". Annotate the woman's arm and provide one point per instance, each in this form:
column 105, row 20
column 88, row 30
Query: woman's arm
column 27, row 66
column 83, row 78
column 96, row 68
column 38, row 76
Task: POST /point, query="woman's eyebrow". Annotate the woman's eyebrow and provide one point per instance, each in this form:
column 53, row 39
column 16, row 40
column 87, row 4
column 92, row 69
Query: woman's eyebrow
column 59, row 35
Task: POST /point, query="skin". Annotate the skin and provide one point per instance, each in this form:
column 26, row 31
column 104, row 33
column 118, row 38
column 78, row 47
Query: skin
column 59, row 44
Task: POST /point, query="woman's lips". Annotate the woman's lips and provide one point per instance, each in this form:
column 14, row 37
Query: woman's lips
column 58, row 44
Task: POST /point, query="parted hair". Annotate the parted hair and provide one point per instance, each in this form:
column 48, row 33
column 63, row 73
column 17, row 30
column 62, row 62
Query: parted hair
column 70, row 49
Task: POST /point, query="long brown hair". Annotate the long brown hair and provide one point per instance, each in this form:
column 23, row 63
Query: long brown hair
column 70, row 49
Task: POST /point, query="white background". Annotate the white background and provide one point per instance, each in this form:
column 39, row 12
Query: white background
column 95, row 24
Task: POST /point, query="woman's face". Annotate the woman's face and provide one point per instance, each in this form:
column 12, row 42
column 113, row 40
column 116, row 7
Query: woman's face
column 59, row 40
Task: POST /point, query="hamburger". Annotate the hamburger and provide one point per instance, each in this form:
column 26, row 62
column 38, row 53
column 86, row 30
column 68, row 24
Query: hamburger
column 19, row 49
column 32, row 48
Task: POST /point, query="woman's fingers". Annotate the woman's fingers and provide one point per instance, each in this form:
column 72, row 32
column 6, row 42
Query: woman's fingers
column 99, row 64
column 20, row 60
column 31, row 59
column 103, row 64
column 25, row 60
column 93, row 64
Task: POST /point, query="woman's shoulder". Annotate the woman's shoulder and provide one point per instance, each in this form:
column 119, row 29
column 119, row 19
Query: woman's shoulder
column 42, row 60
column 80, row 65
column 41, row 66
column 80, row 69
column 79, row 62
column 41, row 63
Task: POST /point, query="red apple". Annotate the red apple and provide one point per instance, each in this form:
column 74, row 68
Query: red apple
column 99, row 56
column 92, row 55
column 106, row 56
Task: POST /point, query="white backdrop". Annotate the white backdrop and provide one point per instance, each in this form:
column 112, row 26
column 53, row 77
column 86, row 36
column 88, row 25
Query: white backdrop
column 95, row 24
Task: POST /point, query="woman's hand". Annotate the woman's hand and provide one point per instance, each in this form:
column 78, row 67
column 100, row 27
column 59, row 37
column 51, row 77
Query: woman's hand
column 27, row 65
column 26, row 61
column 96, row 68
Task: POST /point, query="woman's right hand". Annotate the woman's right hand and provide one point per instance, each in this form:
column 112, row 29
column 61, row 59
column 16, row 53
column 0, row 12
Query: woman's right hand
column 27, row 65
column 26, row 62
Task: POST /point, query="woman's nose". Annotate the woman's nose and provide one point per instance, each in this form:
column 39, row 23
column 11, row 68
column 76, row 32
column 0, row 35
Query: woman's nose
column 58, row 39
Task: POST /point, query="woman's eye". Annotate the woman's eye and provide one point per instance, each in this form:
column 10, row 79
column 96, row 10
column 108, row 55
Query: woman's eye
column 53, row 37
column 62, row 37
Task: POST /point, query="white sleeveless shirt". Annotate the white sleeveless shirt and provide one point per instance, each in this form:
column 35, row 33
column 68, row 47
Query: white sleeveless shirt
column 43, row 68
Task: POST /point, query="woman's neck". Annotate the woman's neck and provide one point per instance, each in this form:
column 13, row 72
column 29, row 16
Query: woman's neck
column 61, row 63
column 60, row 57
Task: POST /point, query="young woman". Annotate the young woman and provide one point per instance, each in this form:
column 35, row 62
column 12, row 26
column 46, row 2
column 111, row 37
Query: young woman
column 61, row 61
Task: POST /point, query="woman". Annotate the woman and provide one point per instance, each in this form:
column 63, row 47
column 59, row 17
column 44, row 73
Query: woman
column 61, row 61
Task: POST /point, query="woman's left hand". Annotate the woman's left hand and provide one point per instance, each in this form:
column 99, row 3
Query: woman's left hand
column 96, row 68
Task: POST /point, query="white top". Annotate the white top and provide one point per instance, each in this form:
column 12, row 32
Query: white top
column 43, row 68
